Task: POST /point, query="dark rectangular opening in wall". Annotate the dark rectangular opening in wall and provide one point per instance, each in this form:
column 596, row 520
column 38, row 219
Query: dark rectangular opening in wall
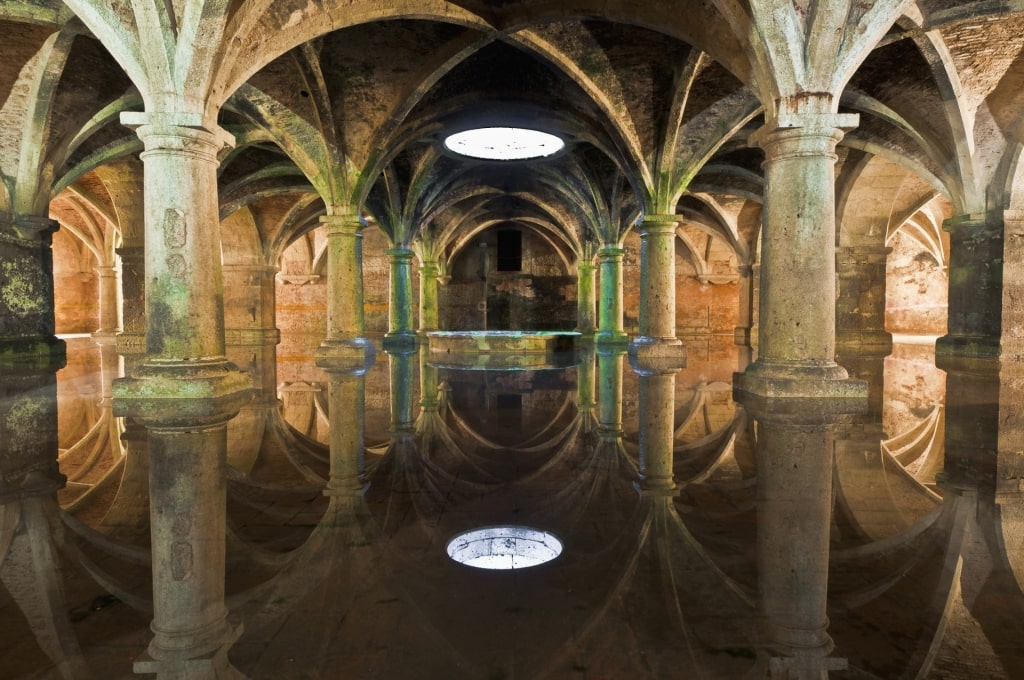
column 510, row 250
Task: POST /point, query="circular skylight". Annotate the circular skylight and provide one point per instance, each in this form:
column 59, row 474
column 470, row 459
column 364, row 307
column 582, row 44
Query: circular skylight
column 508, row 547
column 503, row 143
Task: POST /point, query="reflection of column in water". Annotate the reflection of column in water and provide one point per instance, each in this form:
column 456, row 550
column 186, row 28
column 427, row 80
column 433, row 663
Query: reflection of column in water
column 609, row 396
column 402, row 383
column 187, row 518
column 346, row 408
column 657, row 429
column 794, row 479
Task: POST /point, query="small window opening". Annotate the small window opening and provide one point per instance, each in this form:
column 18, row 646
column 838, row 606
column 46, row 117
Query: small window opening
column 510, row 250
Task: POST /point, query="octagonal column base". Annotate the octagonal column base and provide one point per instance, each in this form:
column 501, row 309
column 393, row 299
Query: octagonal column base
column 179, row 393
column 663, row 351
column 824, row 380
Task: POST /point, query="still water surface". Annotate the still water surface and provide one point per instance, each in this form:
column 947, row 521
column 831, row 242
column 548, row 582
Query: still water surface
column 700, row 537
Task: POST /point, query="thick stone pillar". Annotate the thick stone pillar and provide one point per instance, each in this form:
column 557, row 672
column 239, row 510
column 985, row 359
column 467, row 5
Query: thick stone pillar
column 429, row 310
column 346, row 320
column 184, row 292
column 609, row 329
column 400, row 311
column 794, row 509
column 657, row 337
column 110, row 300
column 860, row 307
column 184, row 393
column 26, row 293
column 585, row 298
column 975, row 291
column 250, row 334
column 797, row 298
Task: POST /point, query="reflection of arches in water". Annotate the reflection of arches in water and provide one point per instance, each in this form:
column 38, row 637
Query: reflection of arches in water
column 883, row 489
column 304, row 407
column 509, row 409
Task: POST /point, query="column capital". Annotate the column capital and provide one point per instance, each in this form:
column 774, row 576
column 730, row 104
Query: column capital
column 967, row 221
column 665, row 222
column 792, row 134
column 30, row 227
column 400, row 253
column 177, row 131
column 342, row 223
column 430, row 268
column 609, row 252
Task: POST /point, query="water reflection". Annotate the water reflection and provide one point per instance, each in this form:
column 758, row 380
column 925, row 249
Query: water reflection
column 729, row 539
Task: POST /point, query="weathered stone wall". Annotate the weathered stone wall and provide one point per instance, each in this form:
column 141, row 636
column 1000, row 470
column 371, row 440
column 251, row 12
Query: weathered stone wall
column 917, row 289
column 541, row 296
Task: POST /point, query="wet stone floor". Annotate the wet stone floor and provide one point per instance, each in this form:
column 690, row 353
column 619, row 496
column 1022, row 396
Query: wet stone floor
column 699, row 536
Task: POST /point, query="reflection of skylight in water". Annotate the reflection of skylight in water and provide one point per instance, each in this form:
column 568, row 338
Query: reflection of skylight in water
column 504, row 548
column 503, row 143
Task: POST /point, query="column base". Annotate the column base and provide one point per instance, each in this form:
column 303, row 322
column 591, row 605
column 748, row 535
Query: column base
column 804, row 381
column 341, row 353
column 615, row 337
column 666, row 351
column 182, row 393
column 211, row 665
column 354, row 355
column 400, row 341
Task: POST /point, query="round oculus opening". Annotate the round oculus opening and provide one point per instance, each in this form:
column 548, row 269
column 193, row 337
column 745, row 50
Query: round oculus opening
column 504, row 143
column 504, row 547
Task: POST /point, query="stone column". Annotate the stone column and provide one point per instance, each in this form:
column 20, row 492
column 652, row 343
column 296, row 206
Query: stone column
column 860, row 308
column 26, row 293
column 346, row 321
column 610, row 314
column 797, row 298
column 975, row 290
column 110, row 300
column 251, row 336
column 428, row 297
column 400, row 312
column 658, row 291
column 184, row 292
column 184, row 393
column 585, row 301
